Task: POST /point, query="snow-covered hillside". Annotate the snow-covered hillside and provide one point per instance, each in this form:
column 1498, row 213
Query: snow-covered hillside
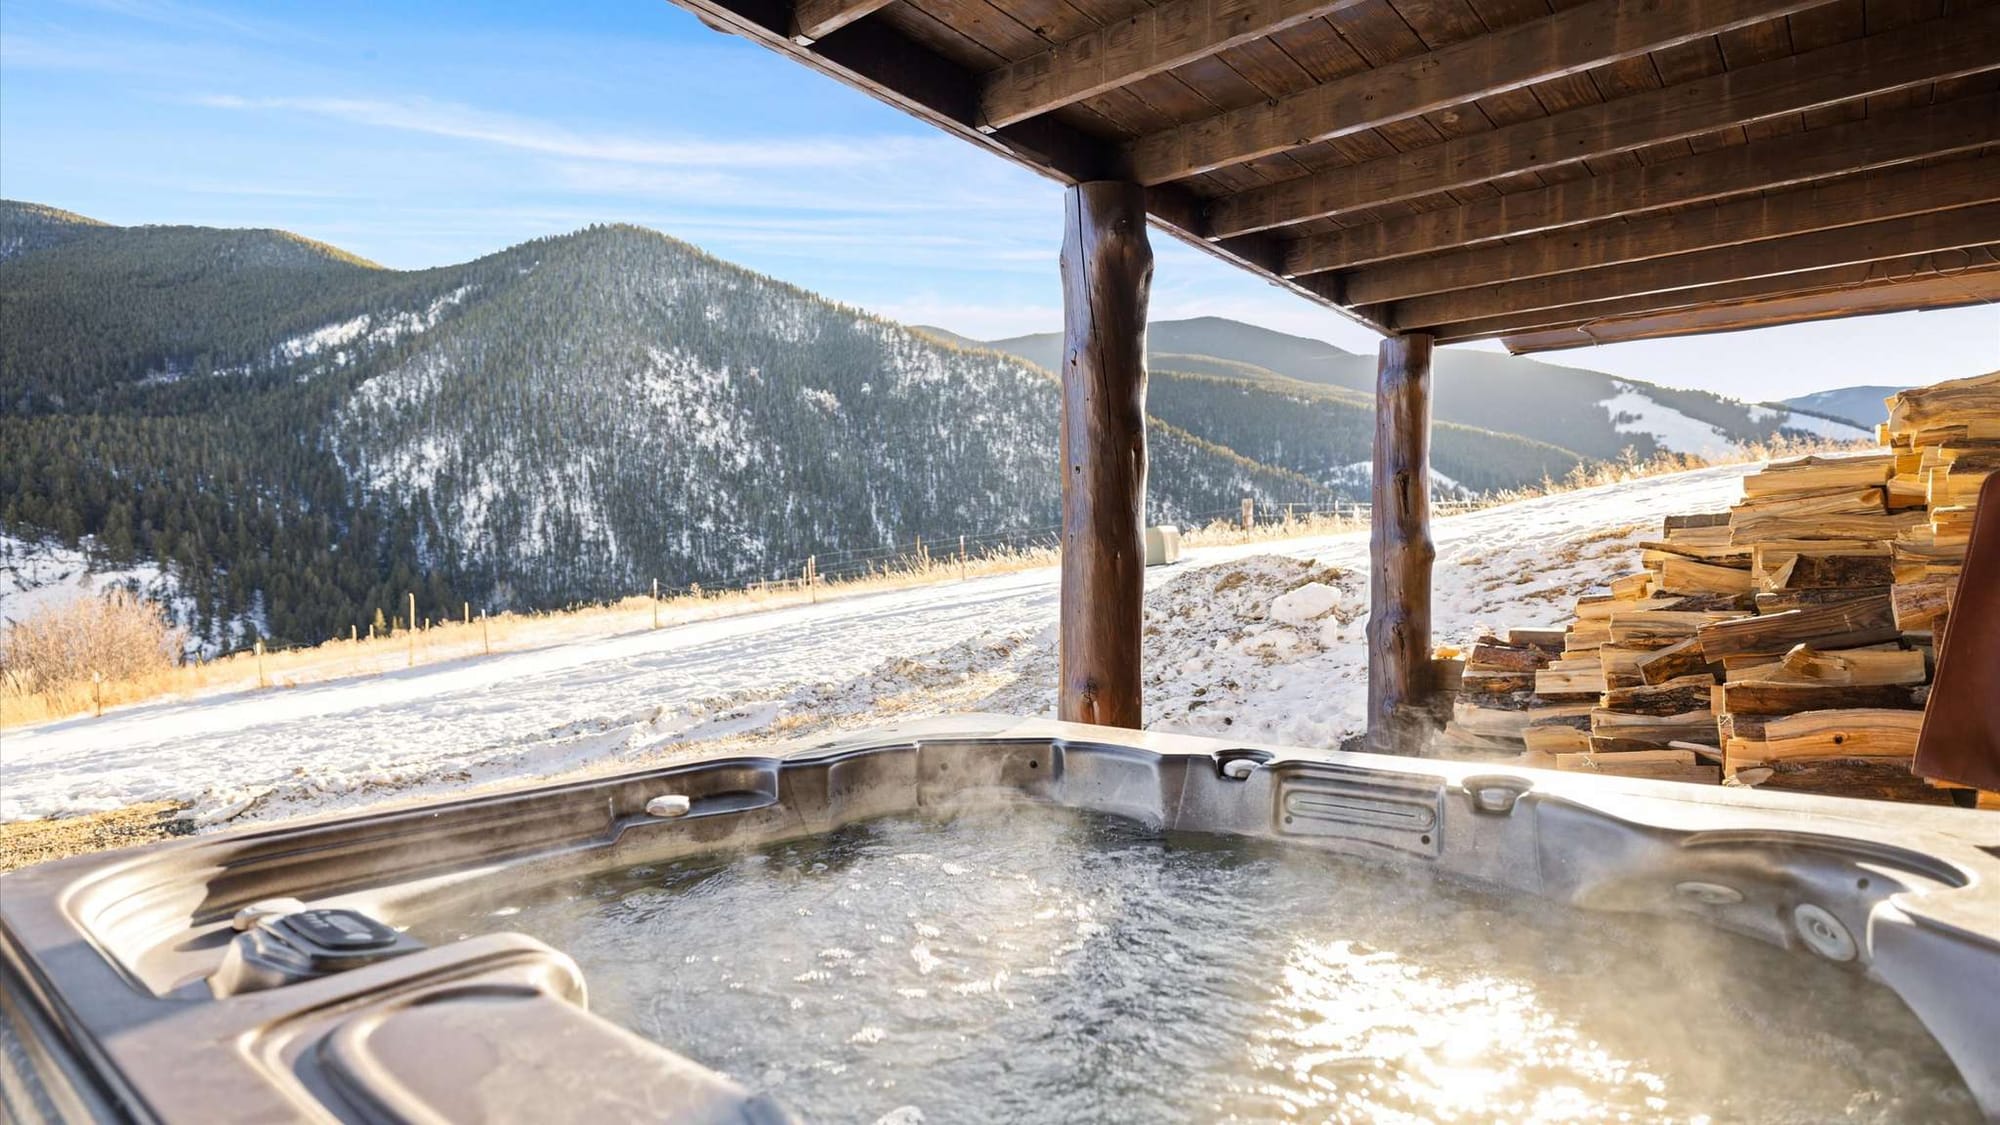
column 1263, row 640
column 36, row 574
column 1634, row 411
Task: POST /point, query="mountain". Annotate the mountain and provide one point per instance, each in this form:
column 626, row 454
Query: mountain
column 31, row 226
column 1590, row 414
column 1862, row 406
column 301, row 437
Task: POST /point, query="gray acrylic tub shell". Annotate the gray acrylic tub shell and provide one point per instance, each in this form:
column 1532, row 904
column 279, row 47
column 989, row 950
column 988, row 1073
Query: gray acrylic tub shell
column 109, row 1013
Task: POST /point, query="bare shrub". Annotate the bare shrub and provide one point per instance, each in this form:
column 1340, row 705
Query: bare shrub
column 65, row 647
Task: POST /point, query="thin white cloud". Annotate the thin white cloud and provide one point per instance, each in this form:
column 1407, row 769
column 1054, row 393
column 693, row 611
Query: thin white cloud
column 460, row 122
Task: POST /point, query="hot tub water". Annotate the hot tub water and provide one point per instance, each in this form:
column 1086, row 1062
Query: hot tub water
column 1032, row 964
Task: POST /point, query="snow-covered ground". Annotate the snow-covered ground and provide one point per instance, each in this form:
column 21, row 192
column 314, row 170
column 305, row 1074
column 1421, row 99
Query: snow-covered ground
column 1264, row 640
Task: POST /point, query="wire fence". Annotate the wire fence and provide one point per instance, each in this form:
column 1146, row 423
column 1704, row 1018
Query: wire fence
column 942, row 550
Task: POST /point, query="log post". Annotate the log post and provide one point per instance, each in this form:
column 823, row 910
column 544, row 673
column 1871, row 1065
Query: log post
column 1399, row 549
column 1107, row 272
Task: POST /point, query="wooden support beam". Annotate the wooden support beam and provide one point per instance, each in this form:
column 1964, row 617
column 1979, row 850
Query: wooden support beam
column 1890, row 238
column 1150, row 41
column 1875, row 196
column 1775, row 162
column 1399, row 549
column 1982, row 288
column 1107, row 270
column 1936, row 49
column 1568, row 42
column 1829, row 285
column 816, row 19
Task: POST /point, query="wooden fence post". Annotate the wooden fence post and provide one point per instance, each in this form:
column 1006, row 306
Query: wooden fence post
column 413, row 629
column 485, row 632
column 259, row 647
column 656, row 603
column 961, row 558
column 1249, row 513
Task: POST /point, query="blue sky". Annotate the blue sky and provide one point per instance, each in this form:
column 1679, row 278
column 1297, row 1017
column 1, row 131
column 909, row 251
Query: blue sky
column 423, row 133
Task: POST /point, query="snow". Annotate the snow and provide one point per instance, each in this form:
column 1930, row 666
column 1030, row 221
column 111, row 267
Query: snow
column 1632, row 412
column 1826, row 428
column 1263, row 640
column 1296, row 607
column 39, row 574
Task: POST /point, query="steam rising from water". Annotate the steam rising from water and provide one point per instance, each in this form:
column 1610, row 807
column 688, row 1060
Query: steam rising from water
column 1029, row 964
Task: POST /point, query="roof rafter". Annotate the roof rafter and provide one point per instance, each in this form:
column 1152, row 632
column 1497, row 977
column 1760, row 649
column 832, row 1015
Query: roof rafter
column 1911, row 55
column 1824, row 206
column 1599, row 32
column 816, row 19
column 1118, row 54
column 1952, row 291
column 1853, row 276
column 1889, row 238
column 1776, row 162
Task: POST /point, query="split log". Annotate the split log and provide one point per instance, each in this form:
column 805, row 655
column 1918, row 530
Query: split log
column 1808, row 474
column 1843, row 667
column 1885, row 525
column 1661, row 628
column 1844, row 624
column 1550, row 640
column 1631, row 585
column 1918, row 605
column 1683, row 658
column 1551, row 682
column 1675, row 697
column 1491, row 722
column 1511, row 658
column 1678, row 573
column 1555, row 738
column 1821, row 572
column 1778, row 601
column 1497, row 683
column 1764, row 698
column 1653, row 730
column 1699, row 519
column 1883, row 779
column 1851, row 733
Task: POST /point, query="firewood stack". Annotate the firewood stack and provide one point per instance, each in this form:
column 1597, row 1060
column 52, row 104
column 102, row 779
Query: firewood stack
column 1785, row 643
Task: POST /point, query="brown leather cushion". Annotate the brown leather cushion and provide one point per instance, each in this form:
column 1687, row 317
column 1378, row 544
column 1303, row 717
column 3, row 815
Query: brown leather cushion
column 1961, row 736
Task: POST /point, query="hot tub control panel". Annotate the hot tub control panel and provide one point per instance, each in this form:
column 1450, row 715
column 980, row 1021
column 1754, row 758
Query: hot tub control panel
column 306, row 944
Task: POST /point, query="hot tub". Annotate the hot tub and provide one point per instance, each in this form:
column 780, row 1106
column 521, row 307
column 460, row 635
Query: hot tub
column 996, row 919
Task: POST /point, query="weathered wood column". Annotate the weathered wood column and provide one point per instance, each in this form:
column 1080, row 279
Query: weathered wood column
column 1107, row 270
column 1399, row 549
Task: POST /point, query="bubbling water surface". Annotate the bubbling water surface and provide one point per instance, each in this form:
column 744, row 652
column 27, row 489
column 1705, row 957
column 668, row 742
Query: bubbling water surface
column 1034, row 964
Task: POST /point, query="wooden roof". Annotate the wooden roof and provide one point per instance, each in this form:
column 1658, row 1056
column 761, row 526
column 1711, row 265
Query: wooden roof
column 1552, row 173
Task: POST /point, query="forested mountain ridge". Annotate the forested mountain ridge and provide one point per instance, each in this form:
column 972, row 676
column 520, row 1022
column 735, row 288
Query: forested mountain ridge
column 303, row 437
column 1587, row 413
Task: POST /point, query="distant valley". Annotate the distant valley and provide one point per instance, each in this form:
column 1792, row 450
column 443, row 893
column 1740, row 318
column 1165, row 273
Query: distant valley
column 287, row 439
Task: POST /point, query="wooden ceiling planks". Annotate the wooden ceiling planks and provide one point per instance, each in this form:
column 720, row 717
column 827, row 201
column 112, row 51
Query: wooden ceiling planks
column 1840, row 149
column 1479, row 168
column 1975, row 287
